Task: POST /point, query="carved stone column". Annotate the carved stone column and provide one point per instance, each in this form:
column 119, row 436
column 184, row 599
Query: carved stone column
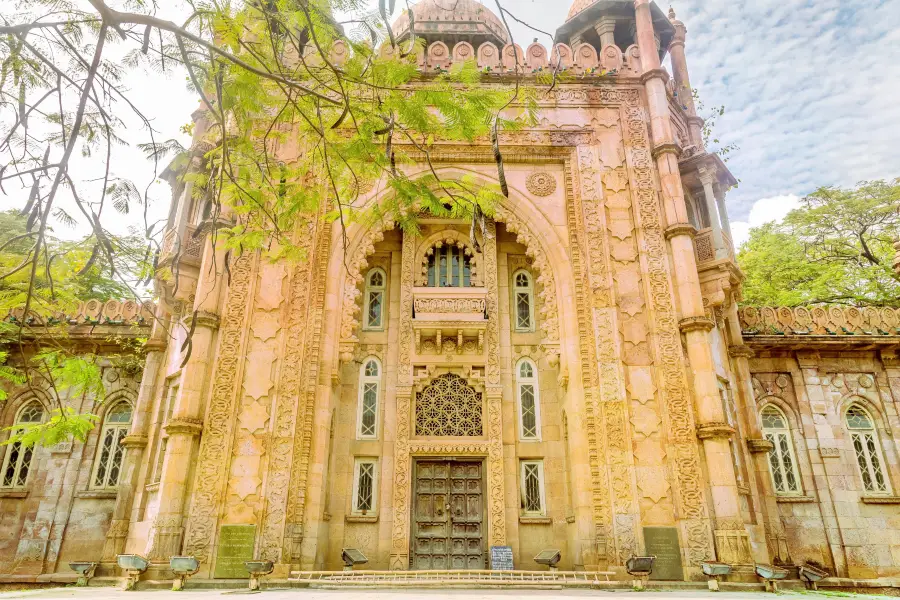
column 708, row 178
column 134, row 444
column 683, row 81
column 606, row 30
column 723, row 214
column 187, row 415
column 710, row 413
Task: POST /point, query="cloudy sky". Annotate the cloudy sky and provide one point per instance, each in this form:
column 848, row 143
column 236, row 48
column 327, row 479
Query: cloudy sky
column 811, row 91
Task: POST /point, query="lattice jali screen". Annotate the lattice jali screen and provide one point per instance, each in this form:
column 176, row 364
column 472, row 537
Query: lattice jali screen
column 449, row 407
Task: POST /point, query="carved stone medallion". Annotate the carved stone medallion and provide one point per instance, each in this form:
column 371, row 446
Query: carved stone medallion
column 541, row 184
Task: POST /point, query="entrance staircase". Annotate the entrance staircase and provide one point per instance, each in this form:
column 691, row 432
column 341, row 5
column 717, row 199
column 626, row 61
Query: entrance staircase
column 461, row 578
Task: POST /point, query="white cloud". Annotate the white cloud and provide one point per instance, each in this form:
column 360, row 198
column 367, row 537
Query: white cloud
column 763, row 211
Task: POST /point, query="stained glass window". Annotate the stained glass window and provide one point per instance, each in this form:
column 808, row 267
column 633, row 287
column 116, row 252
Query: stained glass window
column 529, row 411
column 865, row 447
column 781, row 457
column 108, row 465
column 369, row 387
column 374, row 298
column 523, row 301
column 17, row 462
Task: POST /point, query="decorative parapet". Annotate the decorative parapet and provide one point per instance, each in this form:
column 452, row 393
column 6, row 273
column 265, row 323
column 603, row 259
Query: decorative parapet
column 450, row 304
column 819, row 321
column 93, row 312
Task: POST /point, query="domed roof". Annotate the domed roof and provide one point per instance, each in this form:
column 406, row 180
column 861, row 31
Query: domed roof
column 453, row 21
column 578, row 6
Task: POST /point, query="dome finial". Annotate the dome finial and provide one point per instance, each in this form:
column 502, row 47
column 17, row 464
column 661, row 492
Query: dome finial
column 671, row 13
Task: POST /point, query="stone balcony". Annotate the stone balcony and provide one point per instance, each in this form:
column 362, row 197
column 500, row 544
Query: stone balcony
column 705, row 250
column 449, row 320
column 191, row 249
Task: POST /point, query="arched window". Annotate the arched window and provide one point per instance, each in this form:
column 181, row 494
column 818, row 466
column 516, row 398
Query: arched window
column 866, row 448
column 781, row 458
column 108, row 465
column 527, row 392
column 449, row 265
column 369, row 392
column 523, row 301
column 17, row 462
column 374, row 299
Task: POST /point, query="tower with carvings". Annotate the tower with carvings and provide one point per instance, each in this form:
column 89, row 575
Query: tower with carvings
column 582, row 380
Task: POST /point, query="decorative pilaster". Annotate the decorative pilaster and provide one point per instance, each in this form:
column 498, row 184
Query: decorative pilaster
column 134, row 444
column 399, row 558
column 709, row 409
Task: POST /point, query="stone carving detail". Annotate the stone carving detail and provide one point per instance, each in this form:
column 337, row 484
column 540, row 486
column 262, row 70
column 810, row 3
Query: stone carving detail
column 583, row 217
column 280, row 457
column 549, row 307
column 450, row 238
column 820, row 320
column 217, row 430
column 450, row 305
column 449, row 407
column 351, row 305
column 95, row 312
column 308, row 379
column 682, row 442
column 541, row 184
column 399, row 557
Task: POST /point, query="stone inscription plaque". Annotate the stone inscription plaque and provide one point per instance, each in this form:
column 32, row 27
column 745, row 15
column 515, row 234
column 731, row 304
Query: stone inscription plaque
column 501, row 558
column 234, row 549
column 662, row 542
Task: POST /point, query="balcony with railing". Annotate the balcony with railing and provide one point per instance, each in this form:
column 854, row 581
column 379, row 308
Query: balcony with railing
column 449, row 319
column 189, row 251
column 705, row 247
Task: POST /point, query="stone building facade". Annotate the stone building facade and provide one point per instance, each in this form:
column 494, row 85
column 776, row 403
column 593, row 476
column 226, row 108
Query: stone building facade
column 583, row 380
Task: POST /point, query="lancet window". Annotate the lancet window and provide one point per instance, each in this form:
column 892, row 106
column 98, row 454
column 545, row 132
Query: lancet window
column 376, row 282
column 866, row 448
column 523, row 301
column 17, row 462
column 108, row 465
column 369, row 393
column 782, row 463
column 528, row 392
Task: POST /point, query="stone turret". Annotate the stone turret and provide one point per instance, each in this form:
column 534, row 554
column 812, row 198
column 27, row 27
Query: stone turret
column 452, row 22
column 603, row 23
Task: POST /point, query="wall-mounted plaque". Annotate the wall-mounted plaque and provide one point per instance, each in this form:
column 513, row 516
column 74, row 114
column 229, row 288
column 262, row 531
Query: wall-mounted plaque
column 234, row 548
column 662, row 542
column 501, row 558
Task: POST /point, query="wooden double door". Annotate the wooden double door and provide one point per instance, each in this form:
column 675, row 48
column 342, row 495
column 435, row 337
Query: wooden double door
column 448, row 516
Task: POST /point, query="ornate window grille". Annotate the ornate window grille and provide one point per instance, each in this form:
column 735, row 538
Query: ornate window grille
column 449, row 407
column 527, row 391
column 449, row 265
column 866, row 448
column 108, row 465
column 533, row 498
column 376, row 282
column 523, row 301
column 17, row 462
column 782, row 463
column 369, row 392
column 364, row 483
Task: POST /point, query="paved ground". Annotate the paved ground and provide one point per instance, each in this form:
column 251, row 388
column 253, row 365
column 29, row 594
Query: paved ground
column 303, row 594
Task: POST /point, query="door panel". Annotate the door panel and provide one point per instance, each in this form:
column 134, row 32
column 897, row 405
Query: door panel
column 448, row 515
